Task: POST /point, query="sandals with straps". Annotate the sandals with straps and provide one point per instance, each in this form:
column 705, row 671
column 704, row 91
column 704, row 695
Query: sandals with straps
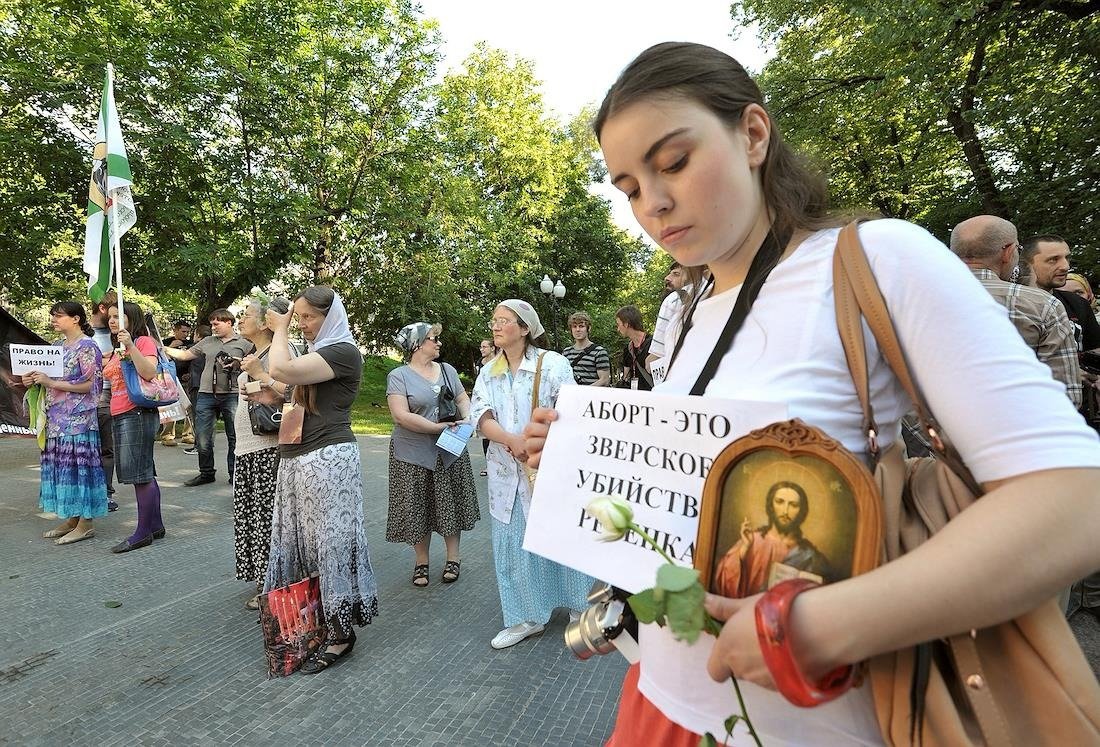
column 420, row 573
column 323, row 658
column 450, row 572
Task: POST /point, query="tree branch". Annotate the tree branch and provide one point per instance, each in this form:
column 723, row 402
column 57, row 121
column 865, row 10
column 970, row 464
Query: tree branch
column 833, row 84
column 1069, row 8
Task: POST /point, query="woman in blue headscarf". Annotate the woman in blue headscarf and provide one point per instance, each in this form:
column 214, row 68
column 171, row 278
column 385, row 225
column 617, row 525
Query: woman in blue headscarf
column 317, row 524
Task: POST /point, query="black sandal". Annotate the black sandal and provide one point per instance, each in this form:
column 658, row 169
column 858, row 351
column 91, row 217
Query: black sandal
column 323, row 658
column 450, row 572
column 420, row 573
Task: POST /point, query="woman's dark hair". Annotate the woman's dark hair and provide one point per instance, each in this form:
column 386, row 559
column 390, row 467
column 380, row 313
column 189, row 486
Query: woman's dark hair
column 319, row 297
column 74, row 309
column 135, row 321
column 794, row 192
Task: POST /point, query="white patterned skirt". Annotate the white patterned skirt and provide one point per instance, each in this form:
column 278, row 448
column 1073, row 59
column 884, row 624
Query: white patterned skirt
column 317, row 528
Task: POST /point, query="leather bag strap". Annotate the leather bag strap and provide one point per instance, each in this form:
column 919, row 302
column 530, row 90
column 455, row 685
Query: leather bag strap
column 968, row 663
column 538, row 381
column 849, row 323
column 855, row 274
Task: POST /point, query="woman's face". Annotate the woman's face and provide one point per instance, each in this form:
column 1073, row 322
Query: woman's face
column 64, row 323
column 692, row 181
column 112, row 320
column 431, row 346
column 309, row 319
column 1075, row 287
column 486, row 348
column 506, row 328
column 249, row 322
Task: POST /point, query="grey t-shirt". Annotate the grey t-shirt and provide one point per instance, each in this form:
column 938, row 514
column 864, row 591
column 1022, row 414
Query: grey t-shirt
column 210, row 346
column 332, row 424
column 423, row 398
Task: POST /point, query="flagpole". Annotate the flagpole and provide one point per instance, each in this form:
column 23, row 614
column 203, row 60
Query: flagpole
column 116, row 242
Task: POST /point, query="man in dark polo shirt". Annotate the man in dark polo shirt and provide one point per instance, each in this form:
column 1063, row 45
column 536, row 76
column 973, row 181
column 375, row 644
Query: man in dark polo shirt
column 628, row 323
column 590, row 362
column 217, row 390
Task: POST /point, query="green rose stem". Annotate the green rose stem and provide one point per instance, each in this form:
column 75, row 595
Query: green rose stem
column 714, row 628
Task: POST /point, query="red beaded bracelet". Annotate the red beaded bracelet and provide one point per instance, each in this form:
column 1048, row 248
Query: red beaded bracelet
column 773, row 610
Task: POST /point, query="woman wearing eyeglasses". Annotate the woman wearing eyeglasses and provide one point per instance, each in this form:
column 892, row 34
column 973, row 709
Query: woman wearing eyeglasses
column 72, row 483
column 431, row 490
column 531, row 587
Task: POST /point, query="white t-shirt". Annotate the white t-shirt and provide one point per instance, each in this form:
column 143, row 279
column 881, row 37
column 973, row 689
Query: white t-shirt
column 1000, row 406
column 670, row 309
column 247, row 441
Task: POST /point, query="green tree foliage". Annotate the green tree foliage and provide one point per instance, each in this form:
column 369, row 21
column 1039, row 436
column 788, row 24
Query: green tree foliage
column 259, row 134
column 934, row 112
column 300, row 142
column 504, row 200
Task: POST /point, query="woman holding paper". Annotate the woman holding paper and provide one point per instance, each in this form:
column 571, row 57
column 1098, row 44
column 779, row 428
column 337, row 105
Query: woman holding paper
column 531, row 587
column 687, row 139
column 72, row 484
column 431, row 489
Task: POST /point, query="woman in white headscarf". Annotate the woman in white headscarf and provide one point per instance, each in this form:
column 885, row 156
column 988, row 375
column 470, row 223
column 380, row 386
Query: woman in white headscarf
column 531, row 587
column 317, row 524
column 431, row 490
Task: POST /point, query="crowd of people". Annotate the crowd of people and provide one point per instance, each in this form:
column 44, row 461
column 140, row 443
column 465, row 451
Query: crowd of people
column 688, row 139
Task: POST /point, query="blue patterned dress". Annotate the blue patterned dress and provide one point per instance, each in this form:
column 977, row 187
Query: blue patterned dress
column 531, row 587
column 73, row 485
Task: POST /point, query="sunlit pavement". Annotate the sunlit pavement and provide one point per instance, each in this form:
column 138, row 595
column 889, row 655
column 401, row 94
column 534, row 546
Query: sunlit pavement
column 180, row 660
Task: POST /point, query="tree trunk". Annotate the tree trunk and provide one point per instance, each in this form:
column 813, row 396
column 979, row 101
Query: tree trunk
column 962, row 125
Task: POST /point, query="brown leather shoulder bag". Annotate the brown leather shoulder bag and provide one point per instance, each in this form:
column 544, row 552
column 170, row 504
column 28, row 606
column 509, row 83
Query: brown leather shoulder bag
column 1024, row 682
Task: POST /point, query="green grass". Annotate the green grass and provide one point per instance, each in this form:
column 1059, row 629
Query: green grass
column 369, row 414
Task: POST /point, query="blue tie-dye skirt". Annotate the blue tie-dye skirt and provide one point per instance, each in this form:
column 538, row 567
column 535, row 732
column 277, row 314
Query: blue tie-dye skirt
column 72, row 477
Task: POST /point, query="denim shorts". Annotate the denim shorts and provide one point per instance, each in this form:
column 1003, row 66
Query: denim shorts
column 134, row 432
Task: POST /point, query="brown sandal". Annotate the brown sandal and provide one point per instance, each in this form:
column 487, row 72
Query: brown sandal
column 450, row 572
column 420, row 573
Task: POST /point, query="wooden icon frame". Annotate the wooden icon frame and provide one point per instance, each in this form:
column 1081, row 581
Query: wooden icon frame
column 804, row 465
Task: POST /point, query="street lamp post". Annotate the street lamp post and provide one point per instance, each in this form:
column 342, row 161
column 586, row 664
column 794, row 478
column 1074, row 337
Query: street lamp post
column 554, row 292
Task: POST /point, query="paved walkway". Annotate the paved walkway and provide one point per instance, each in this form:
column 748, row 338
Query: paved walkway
column 181, row 660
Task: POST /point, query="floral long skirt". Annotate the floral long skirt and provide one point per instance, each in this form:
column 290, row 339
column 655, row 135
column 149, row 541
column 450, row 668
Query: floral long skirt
column 443, row 500
column 254, row 479
column 317, row 528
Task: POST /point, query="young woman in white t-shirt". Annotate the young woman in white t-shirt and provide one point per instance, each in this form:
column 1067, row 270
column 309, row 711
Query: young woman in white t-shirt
column 687, row 139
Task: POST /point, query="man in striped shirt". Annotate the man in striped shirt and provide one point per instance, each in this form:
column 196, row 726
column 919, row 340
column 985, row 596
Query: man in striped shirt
column 591, row 364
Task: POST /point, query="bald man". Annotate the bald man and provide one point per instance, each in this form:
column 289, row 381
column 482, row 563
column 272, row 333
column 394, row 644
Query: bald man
column 990, row 248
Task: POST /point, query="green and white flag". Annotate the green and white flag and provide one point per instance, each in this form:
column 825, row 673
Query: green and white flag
column 110, row 205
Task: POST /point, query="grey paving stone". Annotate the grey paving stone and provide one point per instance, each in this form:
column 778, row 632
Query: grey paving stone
column 181, row 660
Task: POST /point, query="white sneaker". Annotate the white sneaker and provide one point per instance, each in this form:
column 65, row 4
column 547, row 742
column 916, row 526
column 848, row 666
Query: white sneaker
column 513, row 635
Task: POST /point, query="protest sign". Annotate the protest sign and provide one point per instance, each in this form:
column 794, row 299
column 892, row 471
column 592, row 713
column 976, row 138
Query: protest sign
column 49, row 359
column 654, row 450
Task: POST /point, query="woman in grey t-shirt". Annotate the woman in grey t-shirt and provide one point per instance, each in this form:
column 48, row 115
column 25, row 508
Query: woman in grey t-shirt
column 431, row 490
